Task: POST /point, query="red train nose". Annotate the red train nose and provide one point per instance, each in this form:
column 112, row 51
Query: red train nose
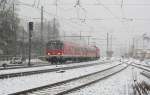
column 55, row 52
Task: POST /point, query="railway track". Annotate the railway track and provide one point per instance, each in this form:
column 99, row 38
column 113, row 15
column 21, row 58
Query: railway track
column 23, row 66
column 20, row 66
column 73, row 84
column 141, row 67
column 144, row 66
column 146, row 74
column 25, row 73
column 141, row 88
column 146, row 71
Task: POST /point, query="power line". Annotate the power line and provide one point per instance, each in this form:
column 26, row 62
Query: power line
column 38, row 3
column 34, row 2
column 31, row 6
column 50, row 14
column 84, row 19
column 122, row 3
column 97, row 4
column 78, row 5
column 107, row 9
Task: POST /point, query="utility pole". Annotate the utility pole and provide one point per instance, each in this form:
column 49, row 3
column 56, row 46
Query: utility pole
column 15, row 34
column 64, row 35
column 56, row 8
column 111, row 43
column 143, row 43
column 23, row 46
column 48, row 31
column 107, row 44
column 88, row 40
column 136, row 43
column 41, row 53
column 54, row 28
column 133, row 48
column 122, row 3
column 80, row 35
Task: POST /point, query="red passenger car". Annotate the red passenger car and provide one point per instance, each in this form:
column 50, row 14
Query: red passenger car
column 61, row 51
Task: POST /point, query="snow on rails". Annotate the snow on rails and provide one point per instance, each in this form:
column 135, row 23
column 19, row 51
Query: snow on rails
column 74, row 84
column 38, row 80
column 44, row 69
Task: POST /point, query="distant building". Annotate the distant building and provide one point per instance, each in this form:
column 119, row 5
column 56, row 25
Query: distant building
column 142, row 47
column 142, row 54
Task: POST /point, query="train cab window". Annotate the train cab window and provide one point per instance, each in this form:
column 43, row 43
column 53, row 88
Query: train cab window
column 54, row 45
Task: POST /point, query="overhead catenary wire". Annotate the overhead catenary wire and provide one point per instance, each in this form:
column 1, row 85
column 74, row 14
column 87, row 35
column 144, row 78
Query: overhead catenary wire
column 38, row 3
column 96, row 19
column 99, row 2
column 78, row 6
column 89, row 19
column 76, row 22
column 122, row 3
column 106, row 4
column 37, row 8
column 22, row 3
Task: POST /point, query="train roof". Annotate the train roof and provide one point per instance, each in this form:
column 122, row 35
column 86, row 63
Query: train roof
column 74, row 42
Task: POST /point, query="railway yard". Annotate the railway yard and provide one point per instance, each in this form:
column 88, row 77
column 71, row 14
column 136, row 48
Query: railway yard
column 101, row 77
column 74, row 47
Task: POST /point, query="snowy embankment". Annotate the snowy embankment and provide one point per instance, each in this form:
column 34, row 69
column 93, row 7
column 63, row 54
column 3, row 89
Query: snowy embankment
column 26, row 82
column 24, row 63
column 35, row 61
column 45, row 67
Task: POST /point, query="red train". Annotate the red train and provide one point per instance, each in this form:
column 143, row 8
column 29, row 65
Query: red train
column 62, row 51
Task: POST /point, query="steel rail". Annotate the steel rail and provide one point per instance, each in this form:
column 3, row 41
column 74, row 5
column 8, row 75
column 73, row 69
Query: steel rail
column 26, row 92
column 26, row 73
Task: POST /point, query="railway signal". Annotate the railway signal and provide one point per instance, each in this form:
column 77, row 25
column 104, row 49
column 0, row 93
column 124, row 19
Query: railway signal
column 30, row 35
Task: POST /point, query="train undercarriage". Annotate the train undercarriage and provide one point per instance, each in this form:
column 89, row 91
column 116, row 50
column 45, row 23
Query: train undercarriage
column 64, row 59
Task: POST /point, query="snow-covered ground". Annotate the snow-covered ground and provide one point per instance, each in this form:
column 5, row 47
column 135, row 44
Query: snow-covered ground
column 145, row 62
column 6, row 62
column 11, row 85
column 45, row 67
column 140, row 77
column 35, row 61
column 119, row 84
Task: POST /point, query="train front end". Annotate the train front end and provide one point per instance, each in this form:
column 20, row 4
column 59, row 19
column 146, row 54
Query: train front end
column 55, row 51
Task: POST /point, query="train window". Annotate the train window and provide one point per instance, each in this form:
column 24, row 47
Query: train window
column 55, row 45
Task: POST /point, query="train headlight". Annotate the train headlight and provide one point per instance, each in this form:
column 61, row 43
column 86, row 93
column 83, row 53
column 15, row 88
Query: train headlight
column 59, row 53
column 49, row 54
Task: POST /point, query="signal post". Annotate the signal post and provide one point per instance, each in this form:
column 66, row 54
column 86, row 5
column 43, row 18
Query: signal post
column 30, row 26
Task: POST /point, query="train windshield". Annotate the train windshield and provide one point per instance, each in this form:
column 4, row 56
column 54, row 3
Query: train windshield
column 55, row 45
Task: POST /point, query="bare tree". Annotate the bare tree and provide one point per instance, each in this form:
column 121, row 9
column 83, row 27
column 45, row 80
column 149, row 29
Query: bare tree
column 8, row 27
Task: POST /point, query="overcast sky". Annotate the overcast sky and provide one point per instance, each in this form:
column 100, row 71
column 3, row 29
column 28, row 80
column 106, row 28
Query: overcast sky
column 123, row 19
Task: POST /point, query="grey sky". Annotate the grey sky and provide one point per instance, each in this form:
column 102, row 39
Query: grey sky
column 101, row 16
